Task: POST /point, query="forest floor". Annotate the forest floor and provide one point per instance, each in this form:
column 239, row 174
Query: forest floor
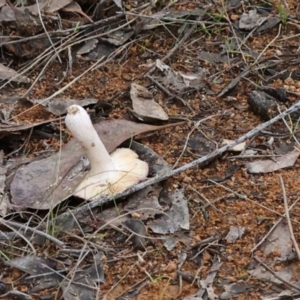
column 217, row 68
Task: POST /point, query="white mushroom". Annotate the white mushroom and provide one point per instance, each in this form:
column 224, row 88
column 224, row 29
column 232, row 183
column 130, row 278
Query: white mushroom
column 110, row 173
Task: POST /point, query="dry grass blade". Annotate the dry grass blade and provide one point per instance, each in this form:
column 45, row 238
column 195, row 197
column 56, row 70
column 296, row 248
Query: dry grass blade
column 287, row 216
column 4, row 222
column 35, row 231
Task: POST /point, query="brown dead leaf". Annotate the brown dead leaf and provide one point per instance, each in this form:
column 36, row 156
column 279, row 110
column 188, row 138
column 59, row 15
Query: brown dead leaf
column 144, row 105
column 55, row 5
column 58, row 106
column 74, row 7
column 26, row 23
column 7, row 14
column 8, row 73
column 266, row 166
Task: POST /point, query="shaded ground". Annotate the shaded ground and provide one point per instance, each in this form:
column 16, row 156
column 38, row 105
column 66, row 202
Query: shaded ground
column 220, row 195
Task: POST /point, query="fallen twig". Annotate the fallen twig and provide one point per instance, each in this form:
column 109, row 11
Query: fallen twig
column 270, row 231
column 276, row 275
column 160, row 86
column 33, row 230
column 288, row 219
column 173, row 50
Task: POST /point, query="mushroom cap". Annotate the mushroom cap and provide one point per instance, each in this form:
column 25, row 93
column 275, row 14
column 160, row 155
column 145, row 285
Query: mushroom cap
column 128, row 171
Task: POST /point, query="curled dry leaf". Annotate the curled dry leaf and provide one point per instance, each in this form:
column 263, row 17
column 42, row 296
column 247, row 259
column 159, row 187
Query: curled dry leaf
column 10, row 74
column 58, row 106
column 250, row 20
column 144, row 105
column 235, row 232
column 138, row 227
column 268, row 165
column 74, row 7
column 55, row 5
column 175, row 218
column 177, row 81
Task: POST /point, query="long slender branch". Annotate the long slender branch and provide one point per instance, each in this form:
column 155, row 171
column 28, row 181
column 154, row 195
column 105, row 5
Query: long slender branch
column 287, row 216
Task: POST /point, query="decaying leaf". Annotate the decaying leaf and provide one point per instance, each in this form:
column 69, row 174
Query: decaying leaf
column 137, row 226
column 83, row 281
column 234, row 234
column 33, row 265
column 281, row 244
column 206, row 284
column 10, row 74
column 250, row 20
column 119, row 4
column 58, row 106
column 233, row 83
column 55, row 5
column 145, row 202
column 215, row 57
column 263, row 104
column 7, row 15
column 233, row 290
column 177, row 217
column 260, row 272
column 46, row 275
column 158, row 18
column 144, row 105
column 74, row 7
column 45, row 183
column 26, row 23
column 267, row 166
column 88, row 46
column 177, row 81
column 94, row 49
column 269, row 23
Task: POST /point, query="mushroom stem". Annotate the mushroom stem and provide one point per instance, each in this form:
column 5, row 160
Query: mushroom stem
column 110, row 174
column 82, row 129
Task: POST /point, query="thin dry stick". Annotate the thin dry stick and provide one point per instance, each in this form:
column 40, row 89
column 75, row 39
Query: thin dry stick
column 165, row 90
column 275, row 38
column 167, row 174
column 35, row 231
column 49, row 38
column 196, row 126
column 209, row 203
column 72, row 273
column 129, row 213
column 171, row 52
column 136, row 286
column 4, row 222
column 122, row 278
column 276, row 275
column 288, row 219
column 289, row 128
column 245, row 197
column 66, row 279
column 101, row 23
column 65, row 45
column 97, row 64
